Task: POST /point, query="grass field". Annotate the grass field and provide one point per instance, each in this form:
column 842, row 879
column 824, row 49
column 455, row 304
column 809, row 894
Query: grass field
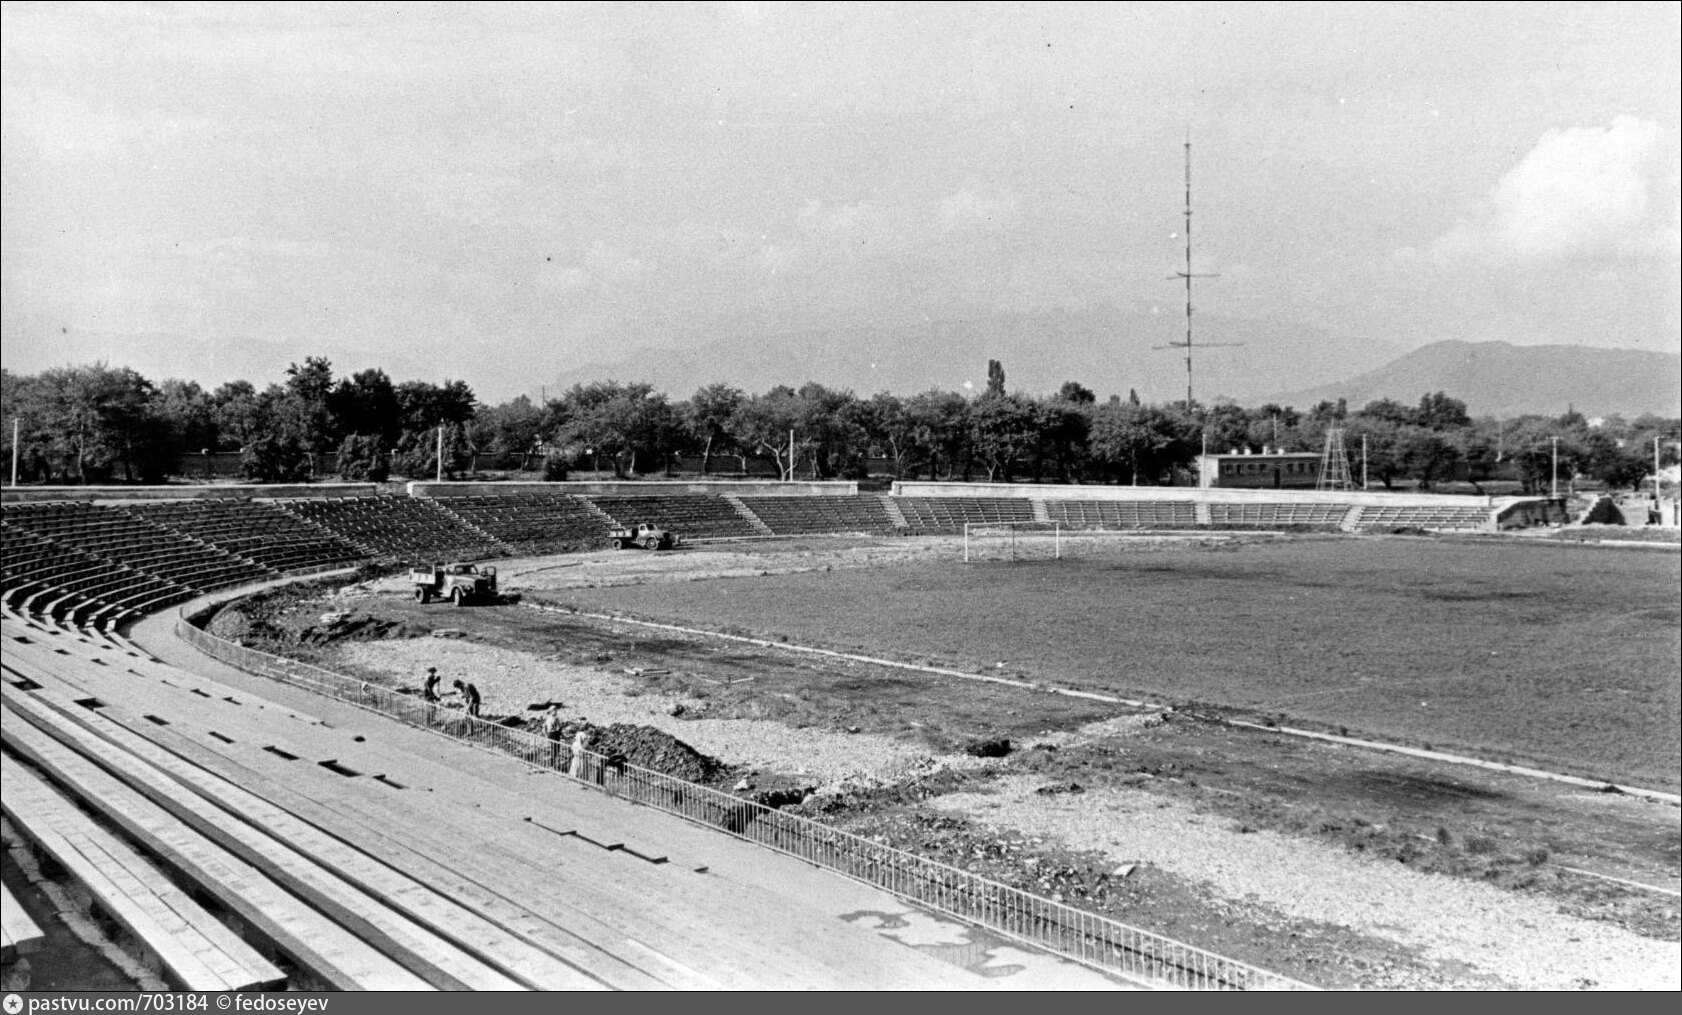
column 1561, row 656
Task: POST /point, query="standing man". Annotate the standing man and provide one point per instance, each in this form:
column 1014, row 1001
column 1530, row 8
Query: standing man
column 429, row 690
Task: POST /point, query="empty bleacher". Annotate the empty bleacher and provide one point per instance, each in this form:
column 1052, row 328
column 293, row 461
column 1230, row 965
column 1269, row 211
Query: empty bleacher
column 936, row 515
column 691, row 516
column 1123, row 514
column 255, row 530
column 406, row 528
column 533, row 523
column 197, row 951
column 1271, row 515
column 94, row 564
column 793, row 516
column 1436, row 518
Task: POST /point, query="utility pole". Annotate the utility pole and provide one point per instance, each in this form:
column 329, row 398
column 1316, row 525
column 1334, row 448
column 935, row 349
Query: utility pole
column 1655, row 466
column 15, row 459
column 440, row 475
column 1364, row 461
column 1554, row 489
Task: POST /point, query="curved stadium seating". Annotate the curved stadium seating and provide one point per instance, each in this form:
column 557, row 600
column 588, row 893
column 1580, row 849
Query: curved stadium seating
column 691, row 516
column 793, row 516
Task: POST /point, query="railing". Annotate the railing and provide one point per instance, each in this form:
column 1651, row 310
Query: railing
column 1137, row 955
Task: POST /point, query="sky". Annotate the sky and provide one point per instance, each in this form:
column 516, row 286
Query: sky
column 498, row 193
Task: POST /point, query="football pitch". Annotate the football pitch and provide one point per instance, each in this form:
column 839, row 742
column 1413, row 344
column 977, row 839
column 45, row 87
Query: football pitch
column 1563, row 657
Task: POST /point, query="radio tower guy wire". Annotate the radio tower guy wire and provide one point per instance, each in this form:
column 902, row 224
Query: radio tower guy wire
column 1188, row 275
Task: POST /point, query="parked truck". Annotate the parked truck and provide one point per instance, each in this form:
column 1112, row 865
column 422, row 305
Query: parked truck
column 459, row 583
column 643, row 534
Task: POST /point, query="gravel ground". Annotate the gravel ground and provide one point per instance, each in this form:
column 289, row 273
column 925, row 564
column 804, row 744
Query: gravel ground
column 1522, row 940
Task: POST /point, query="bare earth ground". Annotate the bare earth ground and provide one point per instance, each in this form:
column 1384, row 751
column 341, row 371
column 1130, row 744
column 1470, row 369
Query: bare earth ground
column 1340, row 866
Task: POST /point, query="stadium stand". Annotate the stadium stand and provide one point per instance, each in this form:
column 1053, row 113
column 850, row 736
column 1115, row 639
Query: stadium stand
column 791, row 516
column 1433, row 518
column 93, row 565
column 405, row 528
column 256, row 530
column 691, row 516
column 1269, row 515
column 19, row 935
column 531, row 523
column 1123, row 514
column 936, row 515
column 196, row 949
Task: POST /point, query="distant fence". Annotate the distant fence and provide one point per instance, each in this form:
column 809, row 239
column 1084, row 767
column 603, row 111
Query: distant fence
column 1137, row 955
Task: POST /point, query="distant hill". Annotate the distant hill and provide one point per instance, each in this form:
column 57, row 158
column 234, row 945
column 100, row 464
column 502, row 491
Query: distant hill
column 1108, row 350
column 1504, row 380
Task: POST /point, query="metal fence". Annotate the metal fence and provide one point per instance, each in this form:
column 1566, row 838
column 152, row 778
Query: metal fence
column 1134, row 954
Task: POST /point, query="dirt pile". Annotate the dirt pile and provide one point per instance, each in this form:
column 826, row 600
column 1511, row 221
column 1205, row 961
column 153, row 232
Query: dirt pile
column 647, row 747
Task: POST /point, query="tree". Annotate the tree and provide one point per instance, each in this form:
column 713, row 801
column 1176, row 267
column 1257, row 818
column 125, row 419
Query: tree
column 1145, row 440
column 1425, row 455
column 1440, row 412
column 362, row 459
column 1003, row 429
column 770, row 424
column 308, row 389
column 617, row 420
column 1076, row 393
column 995, row 377
column 88, row 421
column 889, row 429
column 707, row 414
column 275, row 457
column 237, row 413
column 365, row 403
column 940, row 428
column 1065, row 426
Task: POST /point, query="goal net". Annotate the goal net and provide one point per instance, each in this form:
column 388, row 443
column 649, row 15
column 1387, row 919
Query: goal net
column 1012, row 541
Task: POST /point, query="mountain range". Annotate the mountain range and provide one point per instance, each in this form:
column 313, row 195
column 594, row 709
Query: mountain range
column 1110, row 351
column 1504, row 380
column 1115, row 351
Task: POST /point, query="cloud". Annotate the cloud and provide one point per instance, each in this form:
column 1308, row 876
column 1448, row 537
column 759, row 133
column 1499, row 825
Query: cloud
column 974, row 210
column 1583, row 191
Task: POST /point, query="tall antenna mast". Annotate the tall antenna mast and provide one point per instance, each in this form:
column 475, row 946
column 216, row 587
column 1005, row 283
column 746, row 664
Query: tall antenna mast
column 1188, row 275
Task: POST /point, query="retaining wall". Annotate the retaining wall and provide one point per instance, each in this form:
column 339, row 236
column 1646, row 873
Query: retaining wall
column 258, row 491
column 640, row 488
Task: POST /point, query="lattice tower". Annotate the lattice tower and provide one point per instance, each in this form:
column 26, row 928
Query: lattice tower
column 1334, row 464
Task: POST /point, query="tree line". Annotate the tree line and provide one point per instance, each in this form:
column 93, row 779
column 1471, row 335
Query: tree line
column 102, row 424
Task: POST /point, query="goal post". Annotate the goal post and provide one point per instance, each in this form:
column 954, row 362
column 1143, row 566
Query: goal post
column 1012, row 541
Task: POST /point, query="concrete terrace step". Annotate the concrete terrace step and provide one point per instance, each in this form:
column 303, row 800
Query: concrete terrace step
column 199, row 952
column 320, row 945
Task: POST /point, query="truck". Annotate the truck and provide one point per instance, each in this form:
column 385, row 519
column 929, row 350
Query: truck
column 643, row 534
column 459, row 583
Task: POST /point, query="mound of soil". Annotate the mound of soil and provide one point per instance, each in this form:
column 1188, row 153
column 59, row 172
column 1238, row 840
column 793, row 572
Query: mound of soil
column 650, row 748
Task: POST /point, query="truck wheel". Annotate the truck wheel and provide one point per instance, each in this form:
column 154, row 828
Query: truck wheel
column 421, row 594
column 460, row 600
column 651, row 543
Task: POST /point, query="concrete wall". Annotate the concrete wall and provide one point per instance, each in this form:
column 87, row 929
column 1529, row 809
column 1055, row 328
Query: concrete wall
column 640, row 488
column 1045, row 491
column 1523, row 512
column 32, row 494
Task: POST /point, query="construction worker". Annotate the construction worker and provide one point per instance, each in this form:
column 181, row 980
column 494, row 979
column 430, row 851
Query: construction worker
column 469, row 697
column 429, row 690
column 552, row 722
column 580, row 744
